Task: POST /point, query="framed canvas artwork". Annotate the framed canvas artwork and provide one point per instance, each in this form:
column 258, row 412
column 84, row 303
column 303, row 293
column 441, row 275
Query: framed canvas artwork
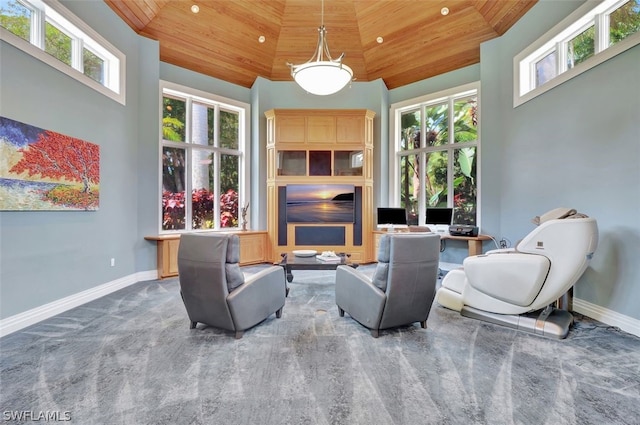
column 41, row 170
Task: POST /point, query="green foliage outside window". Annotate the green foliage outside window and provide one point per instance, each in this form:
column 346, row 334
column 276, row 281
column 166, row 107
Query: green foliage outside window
column 581, row 47
column 93, row 66
column 436, row 176
column 173, row 119
column 229, row 164
column 624, row 21
column 16, row 18
column 228, row 129
column 174, row 170
column 57, row 43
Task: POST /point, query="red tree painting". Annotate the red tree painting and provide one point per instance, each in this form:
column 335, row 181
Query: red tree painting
column 63, row 158
column 58, row 156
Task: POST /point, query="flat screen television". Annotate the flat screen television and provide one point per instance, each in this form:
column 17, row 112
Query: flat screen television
column 439, row 216
column 320, row 203
column 392, row 216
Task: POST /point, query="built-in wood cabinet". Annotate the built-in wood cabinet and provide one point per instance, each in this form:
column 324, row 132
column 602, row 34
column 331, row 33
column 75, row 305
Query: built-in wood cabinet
column 253, row 250
column 326, row 127
column 320, row 147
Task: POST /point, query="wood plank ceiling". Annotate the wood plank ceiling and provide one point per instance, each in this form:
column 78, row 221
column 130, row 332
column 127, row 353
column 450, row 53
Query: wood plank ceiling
column 222, row 39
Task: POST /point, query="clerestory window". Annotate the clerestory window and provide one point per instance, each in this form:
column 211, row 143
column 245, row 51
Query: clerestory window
column 592, row 34
column 51, row 33
column 204, row 157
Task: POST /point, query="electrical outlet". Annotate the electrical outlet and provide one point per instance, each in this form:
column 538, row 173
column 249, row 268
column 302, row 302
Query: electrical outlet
column 113, row 262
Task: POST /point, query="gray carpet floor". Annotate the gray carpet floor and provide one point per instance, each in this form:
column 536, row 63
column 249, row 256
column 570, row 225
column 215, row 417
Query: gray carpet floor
column 130, row 358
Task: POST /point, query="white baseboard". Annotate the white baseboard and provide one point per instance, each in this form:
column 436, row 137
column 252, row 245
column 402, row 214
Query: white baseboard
column 606, row 316
column 35, row 315
column 22, row 320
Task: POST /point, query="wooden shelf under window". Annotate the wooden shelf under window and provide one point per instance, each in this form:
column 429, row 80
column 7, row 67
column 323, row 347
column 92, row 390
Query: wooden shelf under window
column 253, row 250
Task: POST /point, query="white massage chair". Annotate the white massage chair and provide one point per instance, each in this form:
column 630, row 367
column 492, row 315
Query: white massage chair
column 518, row 287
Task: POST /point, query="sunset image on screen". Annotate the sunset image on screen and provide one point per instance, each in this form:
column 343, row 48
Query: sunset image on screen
column 320, row 203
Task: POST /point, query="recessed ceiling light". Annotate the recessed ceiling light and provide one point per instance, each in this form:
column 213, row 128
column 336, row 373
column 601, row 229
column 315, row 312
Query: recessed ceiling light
column 195, row 8
column 261, row 39
column 379, row 40
column 444, row 11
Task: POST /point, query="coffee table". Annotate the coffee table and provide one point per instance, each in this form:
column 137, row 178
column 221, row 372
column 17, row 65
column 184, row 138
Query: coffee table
column 291, row 262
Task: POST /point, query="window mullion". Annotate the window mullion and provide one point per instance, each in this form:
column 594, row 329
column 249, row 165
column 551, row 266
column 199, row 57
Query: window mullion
column 395, row 168
column 76, row 54
column 216, row 189
column 450, row 152
column 215, row 163
column 561, row 56
column 422, row 193
column 601, row 32
column 423, row 127
column 188, row 134
column 422, row 163
column 37, row 28
column 532, row 77
column 216, row 125
column 188, row 189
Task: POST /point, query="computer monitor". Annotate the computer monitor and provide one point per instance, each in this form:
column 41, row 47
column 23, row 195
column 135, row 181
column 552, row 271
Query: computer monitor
column 391, row 217
column 439, row 216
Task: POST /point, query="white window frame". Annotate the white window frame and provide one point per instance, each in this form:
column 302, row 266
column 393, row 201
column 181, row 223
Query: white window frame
column 83, row 36
column 395, row 153
column 591, row 13
column 244, row 177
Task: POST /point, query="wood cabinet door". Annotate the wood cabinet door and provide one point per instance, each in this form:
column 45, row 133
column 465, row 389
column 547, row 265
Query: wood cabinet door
column 350, row 129
column 168, row 257
column 290, row 129
column 321, row 129
column 252, row 248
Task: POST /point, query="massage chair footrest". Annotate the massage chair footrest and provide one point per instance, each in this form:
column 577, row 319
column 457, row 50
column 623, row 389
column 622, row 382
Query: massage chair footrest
column 549, row 322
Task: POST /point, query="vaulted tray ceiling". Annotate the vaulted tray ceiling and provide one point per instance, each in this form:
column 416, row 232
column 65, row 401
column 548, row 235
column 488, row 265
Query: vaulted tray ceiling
column 222, row 40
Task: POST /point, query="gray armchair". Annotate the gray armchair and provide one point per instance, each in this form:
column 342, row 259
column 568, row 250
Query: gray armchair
column 403, row 286
column 214, row 289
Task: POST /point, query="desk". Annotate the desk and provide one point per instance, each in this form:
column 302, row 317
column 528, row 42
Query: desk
column 474, row 243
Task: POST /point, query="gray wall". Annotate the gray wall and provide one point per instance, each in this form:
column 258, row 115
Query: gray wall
column 148, row 124
column 575, row 145
column 45, row 256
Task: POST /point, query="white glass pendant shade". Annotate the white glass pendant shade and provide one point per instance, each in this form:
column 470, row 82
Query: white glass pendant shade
column 322, row 76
